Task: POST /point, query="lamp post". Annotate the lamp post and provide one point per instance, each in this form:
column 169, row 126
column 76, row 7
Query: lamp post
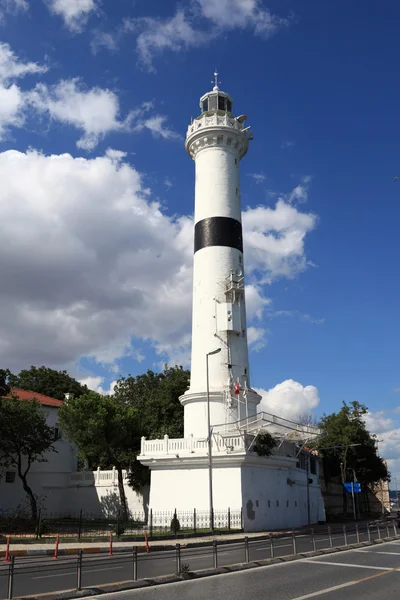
column 210, row 483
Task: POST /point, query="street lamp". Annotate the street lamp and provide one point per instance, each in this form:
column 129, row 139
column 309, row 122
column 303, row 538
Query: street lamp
column 210, row 487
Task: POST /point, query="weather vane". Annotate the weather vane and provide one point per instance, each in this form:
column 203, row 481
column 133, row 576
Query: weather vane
column 215, row 82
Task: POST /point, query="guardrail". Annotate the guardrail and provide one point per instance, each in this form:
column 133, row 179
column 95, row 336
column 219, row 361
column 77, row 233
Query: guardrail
column 15, row 569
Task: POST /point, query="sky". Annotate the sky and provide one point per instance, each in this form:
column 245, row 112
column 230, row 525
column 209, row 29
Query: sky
column 97, row 191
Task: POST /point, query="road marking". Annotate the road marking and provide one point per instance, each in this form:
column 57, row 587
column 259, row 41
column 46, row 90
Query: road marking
column 374, row 552
column 337, row 564
column 341, row 586
column 74, row 573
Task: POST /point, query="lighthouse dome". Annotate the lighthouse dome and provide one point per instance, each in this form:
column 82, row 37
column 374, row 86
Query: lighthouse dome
column 216, row 101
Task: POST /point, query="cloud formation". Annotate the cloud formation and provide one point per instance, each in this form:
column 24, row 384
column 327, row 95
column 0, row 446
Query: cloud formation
column 289, row 399
column 197, row 24
column 74, row 13
column 93, row 263
column 13, row 100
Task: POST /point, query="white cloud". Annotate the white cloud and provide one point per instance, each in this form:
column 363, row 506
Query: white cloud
column 95, row 111
column 274, row 242
column 12, row 98
column 103, row 39
column 157, row 126
column 300, row 192
column 96, row 384
column 194, row 26
column 75, row 13
column 295, row 313
column 287, row 144
column 11, row 67
column 255, row 302
column 258, row 177
column 256, row 338
column 231, row 14
column 155, row 35
column 93, row 263
column 289, row 399
column 386, row 429
column 377, row 422
column 12, row 7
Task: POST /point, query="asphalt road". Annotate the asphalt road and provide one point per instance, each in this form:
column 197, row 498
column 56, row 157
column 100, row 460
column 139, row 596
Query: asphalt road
column 371, row 573
column 42, row 574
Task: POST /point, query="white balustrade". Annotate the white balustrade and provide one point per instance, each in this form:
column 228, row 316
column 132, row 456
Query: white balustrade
column 191, row 445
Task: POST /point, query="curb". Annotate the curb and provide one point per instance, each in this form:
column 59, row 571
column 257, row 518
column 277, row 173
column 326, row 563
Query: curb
column 162, row 580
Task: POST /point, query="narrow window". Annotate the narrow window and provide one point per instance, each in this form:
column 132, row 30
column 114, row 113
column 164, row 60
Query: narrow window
column 228, row 105
column 205, row 105
column 221, row 103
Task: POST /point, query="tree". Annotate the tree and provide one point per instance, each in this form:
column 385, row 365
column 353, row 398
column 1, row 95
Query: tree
column 50, row 382
column 24, row 439
column 156, row 398
column 5, row 376
column 348, row 449
column 106, row 432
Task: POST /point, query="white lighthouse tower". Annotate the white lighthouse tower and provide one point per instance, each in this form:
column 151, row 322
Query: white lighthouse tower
column 217, row 141
column 215, row 467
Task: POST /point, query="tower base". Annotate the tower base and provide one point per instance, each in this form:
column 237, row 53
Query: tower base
column 267, row 493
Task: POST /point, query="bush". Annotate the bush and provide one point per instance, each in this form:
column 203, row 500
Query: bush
column 175, row 525
column 264, row 444
column 42, row 528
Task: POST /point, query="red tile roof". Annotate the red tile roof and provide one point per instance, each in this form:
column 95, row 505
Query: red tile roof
column 41, row 398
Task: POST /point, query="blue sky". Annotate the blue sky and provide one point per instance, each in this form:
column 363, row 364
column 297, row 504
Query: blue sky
column 97, row 190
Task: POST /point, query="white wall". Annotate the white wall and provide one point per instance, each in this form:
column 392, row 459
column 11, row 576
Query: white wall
column 261, row 489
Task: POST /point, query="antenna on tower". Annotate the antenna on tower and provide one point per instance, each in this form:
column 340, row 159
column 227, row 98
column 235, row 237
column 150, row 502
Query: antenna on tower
column 216, row 82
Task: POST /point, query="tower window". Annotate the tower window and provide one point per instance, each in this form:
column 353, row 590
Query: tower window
column 205, row 105
column 236, row 162
column 221, row 103
column 212, row 102
column 228, row 105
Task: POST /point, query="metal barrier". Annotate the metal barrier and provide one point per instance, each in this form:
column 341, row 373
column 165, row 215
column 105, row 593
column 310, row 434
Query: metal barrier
column 18, row 569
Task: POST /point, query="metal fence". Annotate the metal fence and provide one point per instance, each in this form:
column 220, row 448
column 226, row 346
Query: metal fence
column 88, row 525
column 20, row 571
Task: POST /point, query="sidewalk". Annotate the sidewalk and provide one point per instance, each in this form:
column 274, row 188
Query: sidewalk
column 66, row 548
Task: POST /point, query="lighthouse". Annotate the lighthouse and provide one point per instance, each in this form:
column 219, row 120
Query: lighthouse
column 217, row 141
column 216, row 471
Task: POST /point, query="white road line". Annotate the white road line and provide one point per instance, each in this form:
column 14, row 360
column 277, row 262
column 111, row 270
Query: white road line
column 374, row 552
column 336, row 564
column 74, row 572
column 325, row 591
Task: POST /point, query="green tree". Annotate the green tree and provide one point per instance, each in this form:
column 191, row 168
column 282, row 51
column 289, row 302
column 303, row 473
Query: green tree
column 6, row 378
column 50, row 382
column 348, row 449
column 106, row 432
column 24, row 439
column 156, row 398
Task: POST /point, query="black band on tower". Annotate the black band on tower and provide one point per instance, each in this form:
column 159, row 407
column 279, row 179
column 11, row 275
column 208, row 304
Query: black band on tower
column 218, row 231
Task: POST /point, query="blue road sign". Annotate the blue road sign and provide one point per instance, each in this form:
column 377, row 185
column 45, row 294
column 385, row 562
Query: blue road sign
column 353, row 487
